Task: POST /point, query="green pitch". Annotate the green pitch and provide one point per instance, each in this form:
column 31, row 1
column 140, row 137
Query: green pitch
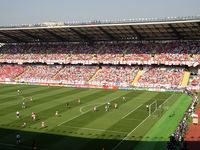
column 78, row 127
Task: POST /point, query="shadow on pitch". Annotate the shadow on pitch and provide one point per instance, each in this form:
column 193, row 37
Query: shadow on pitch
column 56, row 140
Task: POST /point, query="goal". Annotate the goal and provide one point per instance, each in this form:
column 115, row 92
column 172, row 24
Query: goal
column 152, row 107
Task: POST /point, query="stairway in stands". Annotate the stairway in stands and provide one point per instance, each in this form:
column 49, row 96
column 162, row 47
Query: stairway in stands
column 185, row 80
column 92, row 78
column 19, row 75
column 138, row 75
column 54, row 76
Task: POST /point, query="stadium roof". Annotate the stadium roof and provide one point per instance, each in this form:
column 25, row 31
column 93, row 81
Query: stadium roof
column 187, row 29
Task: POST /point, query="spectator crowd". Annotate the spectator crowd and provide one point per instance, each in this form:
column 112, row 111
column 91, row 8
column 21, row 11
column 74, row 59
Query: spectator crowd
column 101, row 63
column 168, row 53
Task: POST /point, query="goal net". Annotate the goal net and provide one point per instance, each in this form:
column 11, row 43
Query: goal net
column 152, row 107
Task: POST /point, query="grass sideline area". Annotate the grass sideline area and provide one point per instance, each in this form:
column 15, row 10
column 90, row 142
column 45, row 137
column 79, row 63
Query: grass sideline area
column 165, row 126
column 77, row 126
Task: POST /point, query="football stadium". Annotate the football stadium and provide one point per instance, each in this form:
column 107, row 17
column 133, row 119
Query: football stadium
column 101, row 85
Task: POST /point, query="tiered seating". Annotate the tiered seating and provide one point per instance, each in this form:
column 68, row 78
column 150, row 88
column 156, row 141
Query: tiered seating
column 109, row 53
column 9, row 72
column 195, row 80
column 115, row 75
column 39, row 73
column 157, row 77
column 106, row 75
column 78, row 57
column 174, row 51
column 76, row 74
column 167, row 53
column 137, row 52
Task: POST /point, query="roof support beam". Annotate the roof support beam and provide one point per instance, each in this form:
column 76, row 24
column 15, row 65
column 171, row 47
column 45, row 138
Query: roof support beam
column 120, row 35
column 136, row 33
column 176, row 32
column 152, row 32
column 147, row 37
column 199, row 26
column 56, row 35
column 191, row 33
column 82, row 36
column 12, row 37
column 158, row 29
column 111, row 37
column 36, row 38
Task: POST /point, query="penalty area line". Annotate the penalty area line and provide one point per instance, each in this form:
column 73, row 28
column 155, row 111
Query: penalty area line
column 83, row 113
column 95, row 129
column 131, row 111
column 81, row 109
column 116, row 146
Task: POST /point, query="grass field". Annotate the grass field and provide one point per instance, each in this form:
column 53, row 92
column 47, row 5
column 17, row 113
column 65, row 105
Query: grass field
column 78, row 127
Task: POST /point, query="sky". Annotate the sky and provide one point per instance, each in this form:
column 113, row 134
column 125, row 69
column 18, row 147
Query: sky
column 16, row 12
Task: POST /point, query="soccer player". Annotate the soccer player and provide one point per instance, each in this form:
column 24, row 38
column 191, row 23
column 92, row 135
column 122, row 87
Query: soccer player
column 147, row 106
column 108, row 104
column 115, row 106
column 124, row 98
column 79, row 101
column 18, row 138
column 106, row 107
column 67, row 105
column 56, row 114
column 42, row 125
column 24, row 125
column 17, row 114
column 95, row 108
column 33, row 116
column 18, row 92
column 34, row 147
column 23, row 103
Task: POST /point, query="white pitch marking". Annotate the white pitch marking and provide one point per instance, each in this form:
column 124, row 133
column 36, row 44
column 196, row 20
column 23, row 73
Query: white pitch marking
column 82, row 114
column 130, row 133
column 136, row 127
column 81, row 109
column 167, row 99
column 133, row 119
column 94, row 129
column 131, row 111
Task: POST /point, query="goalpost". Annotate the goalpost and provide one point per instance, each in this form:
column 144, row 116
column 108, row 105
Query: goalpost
column 159, row 108
column 152, row 107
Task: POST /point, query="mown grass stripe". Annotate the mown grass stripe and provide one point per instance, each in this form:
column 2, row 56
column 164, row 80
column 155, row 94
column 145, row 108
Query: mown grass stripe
column 50, row 110
column 98, row 114
column 124, row 124
column 41, row 102
column 13, row 108
column 14, row 90
column 82, row 134
column 29, row 92
column 179, row 108
column 81, row 124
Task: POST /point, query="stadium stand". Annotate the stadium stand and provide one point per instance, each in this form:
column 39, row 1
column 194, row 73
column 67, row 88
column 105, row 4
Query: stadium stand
column 161, row 77
column 39, row 73
column 75, row 74
column 104, row 54
column 194, row 80
column 9, row 72
column 160, row 55
column 168, row 53
column 115, row 76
